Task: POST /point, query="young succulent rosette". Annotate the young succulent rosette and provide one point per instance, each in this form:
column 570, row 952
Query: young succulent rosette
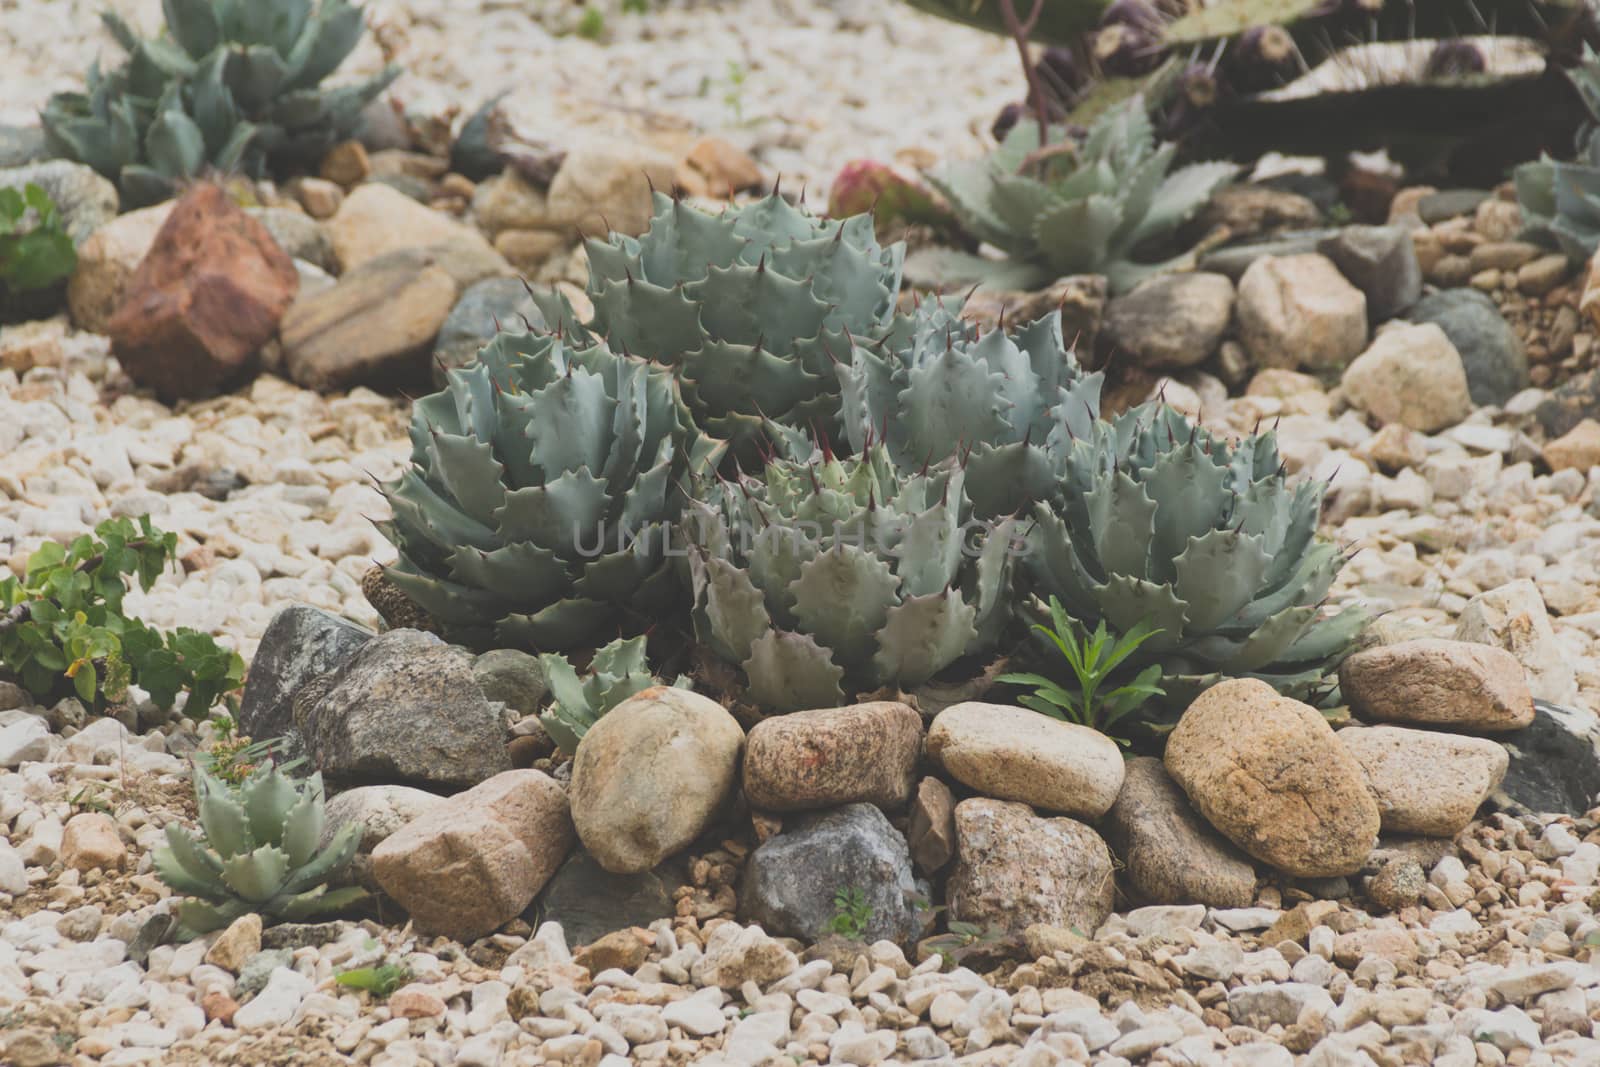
column 749, row 307
column 543, row 485
column 827, row 577
column 1208, row 542
column 258, row 852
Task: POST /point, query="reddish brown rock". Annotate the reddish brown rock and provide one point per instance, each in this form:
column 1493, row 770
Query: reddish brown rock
column 204, row 300
column 91, row 842
column 831, row 756
column 219, row 1007
column 933, row 826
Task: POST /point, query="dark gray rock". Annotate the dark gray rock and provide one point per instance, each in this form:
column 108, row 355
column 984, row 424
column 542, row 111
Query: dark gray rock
column 1171, row 320
column 1169, row 854
column 790, row 881
column 1491, row 353
column 590, row 902
column 1555, row 763
column 1572, row 401
column 1449, row 204
column 290, row 936
column 512, row 677
column 1382, row 263
column 404, row 710
column 382, row 126
column 301, row 643
column 485, row 309
column 298, row 234
column 21, row 145
column 85, row 199
column 1234, row 260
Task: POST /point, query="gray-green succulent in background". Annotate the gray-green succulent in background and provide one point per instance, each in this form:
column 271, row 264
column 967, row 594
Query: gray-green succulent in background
column 1160, row 523
column 257, row 853
column 1065, row 208
column 1561, row 201
column 835, row 576
column 617, row 672
column 1007, row 403
column 230, row 84
column 543, row 483
column 750, row 307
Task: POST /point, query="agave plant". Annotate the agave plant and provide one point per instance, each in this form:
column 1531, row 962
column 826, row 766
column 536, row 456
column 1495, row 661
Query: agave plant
column 1561, row 201
column 258, row 854
column 1161, row 524
column 232, row 84
column 1008, row 404
column 542, row 486
column 835, row 575
column 1060, row 209
column 747, row 307
column 618, row 671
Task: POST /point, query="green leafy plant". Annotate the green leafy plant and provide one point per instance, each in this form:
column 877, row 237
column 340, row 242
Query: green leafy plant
column 258, row 853
column 1203, row 546
column 231, row 84
column 35, row 256
column 831, row 574
column 960, row 937
column 62, row 629
column 380, row 981
column 618, row 671
column 748, row 308
column 235, row 759
column 1093, row 660
column 1063, row 208
column 851, row 914
column 592, row 23
column 541, row 491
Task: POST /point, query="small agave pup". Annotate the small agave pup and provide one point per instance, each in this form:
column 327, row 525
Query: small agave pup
column 542, row 488
column 748, row 307
column 834, row 576
column 259, row 854
column 617, row 672
column 1160, row 523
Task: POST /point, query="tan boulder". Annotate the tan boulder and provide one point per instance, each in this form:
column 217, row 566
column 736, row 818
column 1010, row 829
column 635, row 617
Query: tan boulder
column 1169, row 855
column 1410, row 375
column 1268, row 773
column 376, row 218
column 650, row 775
column 480, row 857
column 1434, row 682
column 606, row 185
column 91, row 842
column 1514, row 617
column 1577, row 449
column 831, row 756
column 1300, row 312
column 1013, row 753
column 1426, row 782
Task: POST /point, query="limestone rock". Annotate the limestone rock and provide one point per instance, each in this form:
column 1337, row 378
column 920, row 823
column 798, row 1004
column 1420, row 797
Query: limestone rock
column 476, row 860
column 1425, row 782
column 1513, row 617
column 91, row 842
column 1013, row 753
column 106, row 262
column 380, row 810
column 1268, row 773
column 1491, row 353
column 1433, row 682
column 1298, row 311
column 1410, row 375
column 1169, row 854
column 606, row 185
column 1171, row 320
column 650, row 775
column 1015, row 869
column 830, row 756
column 376, row 219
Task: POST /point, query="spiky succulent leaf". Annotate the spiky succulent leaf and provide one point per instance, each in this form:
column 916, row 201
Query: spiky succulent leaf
column 618, row 671
column 1157, row 522
column 197, row 917
column 540, row 495
column 1060, row 209
column 827, row 576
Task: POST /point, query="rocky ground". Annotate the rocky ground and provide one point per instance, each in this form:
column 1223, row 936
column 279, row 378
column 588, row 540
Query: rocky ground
column 1473, row 517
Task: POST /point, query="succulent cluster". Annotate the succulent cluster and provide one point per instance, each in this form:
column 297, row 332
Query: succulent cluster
column 617, row 672
column 1561, row 200
column 259, row 854
column 232, row 84
column 1064, row 208
column 1164, row 525
column 831, row 575
column 748, row 307
column 543, row 482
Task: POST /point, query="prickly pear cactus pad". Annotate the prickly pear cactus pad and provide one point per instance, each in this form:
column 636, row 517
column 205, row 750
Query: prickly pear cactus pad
column 1164, row 523
column 543, row 482
column 832, row 576
column 750, row 307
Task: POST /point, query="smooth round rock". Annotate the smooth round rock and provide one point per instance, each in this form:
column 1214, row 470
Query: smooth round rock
column 1458, row 685
column 1268, row 772
column 1012, row 753
column 1426, row 782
